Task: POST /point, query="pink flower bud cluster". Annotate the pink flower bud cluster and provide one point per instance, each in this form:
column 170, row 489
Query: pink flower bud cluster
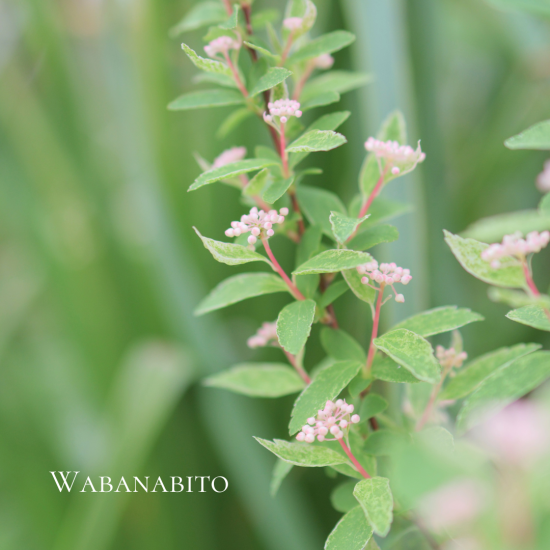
column 334, row 419
column 385, row 274
column 265, row 336
column 449, row 358
column 222, row 45
column 283, row 108
column 324, row 61
column 256, row 222
column 516, row 246
column 293, row 23
column 228, row 156
column 543, row 179
column 397, row 156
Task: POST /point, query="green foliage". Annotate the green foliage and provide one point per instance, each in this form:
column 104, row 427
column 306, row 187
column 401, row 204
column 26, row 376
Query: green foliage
column 258, row 380
column 274, row 76
column 533, row 316
column 334, row 81
column 384, row 368
column 233, row 121
column 317, row 204
column 208, row 65
column 238, row 288
column 229, row 253
column 294, row 325
column 206, row 98
column 276, row 188
column 317, row 140
column 340, row 345
column 371, row 236
column 538, row 135
column 320, row 100
column 233, row 20
column 384, row 442
column 363, row 292
column 352, row 532
column 230, row 170
column 412, row 352
column 326, row 385
column 372, row 405
column 438, row 320
column 383, row 209
column 342, row 498
column 504, row 387
column 374, row 496
column 201, row 15
column 471, row 376
column 544, row 204
column 331, row 261
column 327, row 43
column 302, row 454
column 468, row 253
column 343, row 227
column 333, row 292
column 280, row 471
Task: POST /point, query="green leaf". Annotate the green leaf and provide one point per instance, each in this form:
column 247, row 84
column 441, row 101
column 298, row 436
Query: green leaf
column 352, row 532
column 233, row 19
column 309, row 244
column 231, row 254
column 320, row 100
column 240, row 287
column 261, row 50
column 342, row 498
column 233, row 121
column 327, row 43
column 494, row 228
column 330, row 121
column 206, row 98
column 468, row 253
column 317, row 205
column 230, row 170
column 340, row 345
column 317, row 140
column 372, row 236
column 504, row 387
column 334, row 81
column 439, row 320
column 302, row 454
column 262, row 17
column 331, row 261
column 294, row 325
column 538, row 135
column 326, row 386
column 393, row 128
column 208, row 65
column 280, row 471
column 276, row 188
column 333, row 292
column 471, row 376
column 412, row 352
column 374, row 496
column 544, row 204
column 201, row 15
column 533, row 316
column 258, row 380
column 363, row 292
column 274, row 76
column 216, row 78
column 372, row 405
column 344, row 227
column 384, row 368
column 257, row 184
column 517, row 298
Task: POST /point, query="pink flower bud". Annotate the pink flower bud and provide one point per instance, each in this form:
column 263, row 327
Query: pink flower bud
column 355, row 418
column 252, row 239
column 310, row 438
column 284, row 211
column 301, row 436
column 399, row 298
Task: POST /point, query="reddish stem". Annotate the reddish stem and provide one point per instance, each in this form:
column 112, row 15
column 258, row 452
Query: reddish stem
column 429, row 407
column 374, row 193
column 287, row 49
column 531, row 284
column 282, row 151
column 293, row 289
column 296, row 208
column 292, row 360
column 323, row 285
column 375, row 323
column 236, row 76
column 228, row 7
column 360, row 468
column 303, row 80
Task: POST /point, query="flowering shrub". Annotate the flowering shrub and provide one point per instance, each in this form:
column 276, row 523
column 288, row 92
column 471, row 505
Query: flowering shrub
column 377, row 446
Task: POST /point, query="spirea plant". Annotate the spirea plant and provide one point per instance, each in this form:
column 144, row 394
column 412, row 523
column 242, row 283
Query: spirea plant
column 379, row 417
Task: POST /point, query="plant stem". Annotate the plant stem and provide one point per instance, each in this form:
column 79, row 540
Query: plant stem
column 531, row 284
column 288, row 45
column 375, row 323
column 374, row 193
column 283, row 153
column 433, row 397
column 296, row 208
column 292, row 360
column 293, row 289
column 348, row 452
column 323, row 285
column 303, row 80
column 228, row 7
column 236, row 76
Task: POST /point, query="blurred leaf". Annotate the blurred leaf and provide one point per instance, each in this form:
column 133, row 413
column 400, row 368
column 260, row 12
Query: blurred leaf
column 352, row 532
column 230, row 170
column 533, row 316
column 229, row 253
column 340, row 345
column 240, row 287
column 372, row 236
column 216, row 78
column 438, row 320
column 274, row 76
column 326, row 386
column 343, row 227
column 333, row 292
column 334, row 81
column 544, row 204
column 504, row 387
column 331, row 261
column 280, row 471
column 412, row 352
column 317, row 204
column 363, row 292
column 276, row 188
column 383, row 209
column 327, row 43
column 258, row 380
column 517, row 298
column 538, row 135
column 374, row 496
column 201, row 15
column 262, row 17
column 342, row 498
column 317, row 140
column 384, row 442
column 208, row 65
column 320, row 100
column 469, row 378
column 372, row 405
column 309, row 244
column 492, row 229
column 257, row 184
column 294, row 325
column 302, row 454
column 233, row 121
column 384, row 368
column 206, row 98
column 262, row 50
column 468, row 253
column 233, row 20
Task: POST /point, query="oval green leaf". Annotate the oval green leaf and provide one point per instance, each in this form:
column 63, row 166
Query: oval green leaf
column 352, row 532
column 331, row 261
column 294, row 325
column 374, row 496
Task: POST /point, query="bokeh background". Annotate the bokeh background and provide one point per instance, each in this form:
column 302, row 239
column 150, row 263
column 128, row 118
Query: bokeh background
column 100, row 354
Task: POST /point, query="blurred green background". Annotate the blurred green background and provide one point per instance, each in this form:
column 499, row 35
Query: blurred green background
column 100, row 270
